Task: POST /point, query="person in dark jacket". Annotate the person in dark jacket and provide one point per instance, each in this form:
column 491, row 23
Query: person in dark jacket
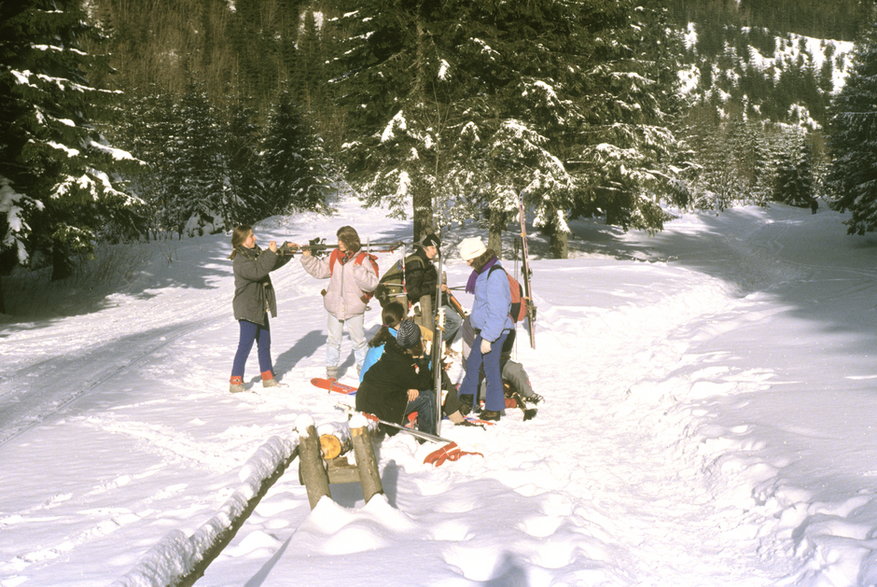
column 421, row 277
column 399, row 383
column 254, row 299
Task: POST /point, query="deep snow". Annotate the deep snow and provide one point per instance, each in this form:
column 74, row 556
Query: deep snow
column 709, row 398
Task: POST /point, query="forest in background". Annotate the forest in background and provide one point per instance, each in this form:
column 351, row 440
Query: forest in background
column 229, row 111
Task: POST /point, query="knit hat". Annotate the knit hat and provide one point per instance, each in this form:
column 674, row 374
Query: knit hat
column 431, row 240
column 471, row 247
column 407, row 334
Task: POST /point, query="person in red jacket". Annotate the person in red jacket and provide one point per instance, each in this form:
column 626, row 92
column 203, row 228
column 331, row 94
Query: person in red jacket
column 352, row 275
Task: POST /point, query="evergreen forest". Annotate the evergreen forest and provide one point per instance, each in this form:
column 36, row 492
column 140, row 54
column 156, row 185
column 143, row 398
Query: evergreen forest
column 164, row 119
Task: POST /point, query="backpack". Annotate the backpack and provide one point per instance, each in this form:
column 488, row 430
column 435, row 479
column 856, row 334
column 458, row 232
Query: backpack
column 360, row 257
column 518, row 308
column 391, row 287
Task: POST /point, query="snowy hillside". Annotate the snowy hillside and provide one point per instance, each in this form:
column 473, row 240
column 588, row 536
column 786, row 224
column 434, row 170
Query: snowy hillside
column 708, row 421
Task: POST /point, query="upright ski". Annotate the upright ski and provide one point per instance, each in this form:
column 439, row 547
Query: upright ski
column 525, row 270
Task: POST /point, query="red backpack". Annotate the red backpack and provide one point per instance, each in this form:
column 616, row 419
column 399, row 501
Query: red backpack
column 360, row 258
column 518, row 310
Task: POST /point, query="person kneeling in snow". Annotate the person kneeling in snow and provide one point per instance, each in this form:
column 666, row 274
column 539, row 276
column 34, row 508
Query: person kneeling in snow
column 399, row 383
column 391, row 316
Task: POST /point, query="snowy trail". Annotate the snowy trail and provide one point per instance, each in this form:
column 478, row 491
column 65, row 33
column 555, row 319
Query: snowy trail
column 667, row 451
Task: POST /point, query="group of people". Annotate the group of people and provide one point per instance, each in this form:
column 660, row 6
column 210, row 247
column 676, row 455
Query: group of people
column 397, row 377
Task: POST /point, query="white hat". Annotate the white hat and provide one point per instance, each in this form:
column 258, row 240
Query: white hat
column 471, row 247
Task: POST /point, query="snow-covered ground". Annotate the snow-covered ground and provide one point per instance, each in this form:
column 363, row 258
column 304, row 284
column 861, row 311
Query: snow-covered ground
column 710, row 393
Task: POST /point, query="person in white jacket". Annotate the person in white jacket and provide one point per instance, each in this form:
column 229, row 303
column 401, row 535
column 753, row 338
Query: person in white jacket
column 353, row 276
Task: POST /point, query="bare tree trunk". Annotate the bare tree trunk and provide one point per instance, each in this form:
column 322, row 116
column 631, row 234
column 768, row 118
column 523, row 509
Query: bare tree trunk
column 495, row 224
column 559, row 245
column 423, row 214
column 558, row 239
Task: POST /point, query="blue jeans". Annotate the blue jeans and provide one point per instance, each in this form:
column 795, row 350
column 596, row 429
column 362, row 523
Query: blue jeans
column 250, row 333
column 453, row 322
column 424, row 405
column 495, row 397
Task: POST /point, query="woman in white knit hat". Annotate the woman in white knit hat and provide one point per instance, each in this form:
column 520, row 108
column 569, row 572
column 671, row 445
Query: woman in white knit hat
column 492, row 323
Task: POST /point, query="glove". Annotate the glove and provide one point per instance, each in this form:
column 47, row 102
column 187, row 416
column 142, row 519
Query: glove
column 485, row 346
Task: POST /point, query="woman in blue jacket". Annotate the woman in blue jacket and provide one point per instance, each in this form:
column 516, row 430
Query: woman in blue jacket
column 492, row 323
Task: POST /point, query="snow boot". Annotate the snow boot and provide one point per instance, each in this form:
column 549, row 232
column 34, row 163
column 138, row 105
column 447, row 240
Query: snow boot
column 332, row 372
column 268, row 379
column 236, row 384
column 490, row 415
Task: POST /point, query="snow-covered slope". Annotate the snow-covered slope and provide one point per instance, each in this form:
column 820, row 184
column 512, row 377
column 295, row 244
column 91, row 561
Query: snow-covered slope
column 709, row 393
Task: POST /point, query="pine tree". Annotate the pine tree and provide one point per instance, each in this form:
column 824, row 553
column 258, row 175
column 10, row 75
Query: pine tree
column 793, row 180
column 479, row 102
column 196, row 168
column 57, row 190
column 242, row 202
column 296, row 172
column 852, row 140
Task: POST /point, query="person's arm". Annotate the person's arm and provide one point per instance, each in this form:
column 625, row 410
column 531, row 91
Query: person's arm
column 258, row 268
column 315, row 266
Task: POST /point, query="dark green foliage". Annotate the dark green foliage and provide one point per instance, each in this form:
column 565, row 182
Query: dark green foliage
column 57, row 174
column 296, row 173
column 793, row 180
column 852, row 140
column 477, row 102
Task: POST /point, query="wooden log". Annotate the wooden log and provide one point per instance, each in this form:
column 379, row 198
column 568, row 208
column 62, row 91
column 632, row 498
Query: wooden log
column 341, row 471
column 363, row 449
column 312, row 468
column 334, row 439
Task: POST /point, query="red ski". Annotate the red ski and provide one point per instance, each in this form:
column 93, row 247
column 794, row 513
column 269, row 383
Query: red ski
column 333, row 385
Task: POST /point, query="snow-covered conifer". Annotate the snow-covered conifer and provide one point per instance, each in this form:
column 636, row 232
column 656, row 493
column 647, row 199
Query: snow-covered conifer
column 58, row 188
column 852, row 140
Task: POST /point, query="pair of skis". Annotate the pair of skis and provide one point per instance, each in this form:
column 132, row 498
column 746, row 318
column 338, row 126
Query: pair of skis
column 527, row 274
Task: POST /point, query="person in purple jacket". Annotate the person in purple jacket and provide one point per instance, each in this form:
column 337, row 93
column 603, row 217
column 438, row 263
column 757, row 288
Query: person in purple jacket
column 492, row 323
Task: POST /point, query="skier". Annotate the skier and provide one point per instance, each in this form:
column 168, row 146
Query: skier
column 353, row 275
column 421, row 277
column 492, row 323
column 391, row 316
column 253, row 299
column 399, row 383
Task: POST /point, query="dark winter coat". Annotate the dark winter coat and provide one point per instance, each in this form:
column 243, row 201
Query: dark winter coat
column 421, row 276
column 253, row 293
column 384, row 389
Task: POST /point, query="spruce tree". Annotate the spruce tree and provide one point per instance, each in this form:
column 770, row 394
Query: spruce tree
column 296, row 173
column 477, row 103
column 57, row 183
column 793, row 180
column 852, row 140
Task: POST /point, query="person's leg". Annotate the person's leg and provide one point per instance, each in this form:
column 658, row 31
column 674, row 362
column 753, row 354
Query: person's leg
column 469, row 386
column 335, row 329
column 514, row 373
column 495, row 399
column 248, row 331
column 263, row 344
column 356, row 330
column 424, row 405
column 453, row 322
